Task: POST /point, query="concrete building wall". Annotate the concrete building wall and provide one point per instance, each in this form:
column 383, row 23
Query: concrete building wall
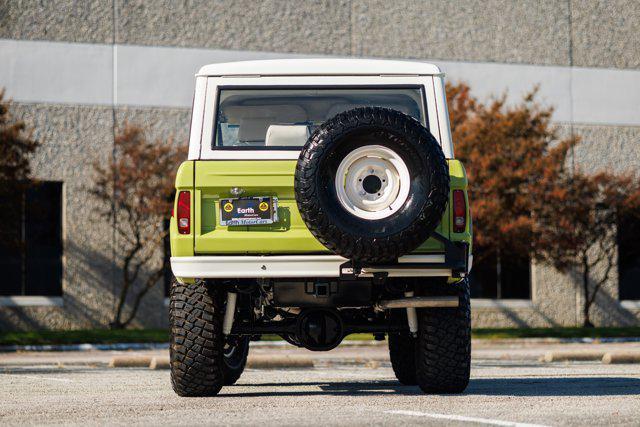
column 75, row 69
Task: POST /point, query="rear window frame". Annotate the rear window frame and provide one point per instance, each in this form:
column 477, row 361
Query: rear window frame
column 219, row 88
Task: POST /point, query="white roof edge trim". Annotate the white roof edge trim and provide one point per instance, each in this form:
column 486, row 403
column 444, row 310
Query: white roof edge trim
column 320, row 67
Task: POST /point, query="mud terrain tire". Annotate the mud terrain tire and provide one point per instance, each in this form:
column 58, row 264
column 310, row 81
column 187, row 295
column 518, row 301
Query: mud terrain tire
column 402, row 349
column 344, row 213
column 443, row 351
column 196, row 349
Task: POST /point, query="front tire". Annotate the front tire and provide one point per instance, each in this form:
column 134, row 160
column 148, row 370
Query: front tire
column 196, row 349
column 443, row 351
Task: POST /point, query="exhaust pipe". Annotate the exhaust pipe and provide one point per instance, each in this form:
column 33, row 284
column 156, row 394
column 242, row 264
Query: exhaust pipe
column 420, row 302
column 410, row 303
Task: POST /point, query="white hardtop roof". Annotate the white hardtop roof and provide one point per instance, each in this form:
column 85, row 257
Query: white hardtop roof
column 319, row 67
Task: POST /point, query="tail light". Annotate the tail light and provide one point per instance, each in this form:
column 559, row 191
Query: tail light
column 184, row 212
column 459, row 211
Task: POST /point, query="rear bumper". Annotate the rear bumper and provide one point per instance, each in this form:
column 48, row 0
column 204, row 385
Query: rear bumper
column 308, row 266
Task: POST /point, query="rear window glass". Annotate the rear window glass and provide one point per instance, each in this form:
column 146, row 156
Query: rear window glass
column 284, row 118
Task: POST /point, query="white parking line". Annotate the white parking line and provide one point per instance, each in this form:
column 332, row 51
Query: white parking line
column 463, row 419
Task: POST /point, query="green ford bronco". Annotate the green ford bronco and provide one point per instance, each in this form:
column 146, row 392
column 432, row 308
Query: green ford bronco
column 321, row 198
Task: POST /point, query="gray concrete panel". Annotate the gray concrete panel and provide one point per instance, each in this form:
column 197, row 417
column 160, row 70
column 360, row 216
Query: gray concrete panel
column 533, row 31
column 607, row 148
column 272, row 25
column 606, row 33
column 89, row 21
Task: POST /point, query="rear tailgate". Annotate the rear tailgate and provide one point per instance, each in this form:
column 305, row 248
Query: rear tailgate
column 289, row 235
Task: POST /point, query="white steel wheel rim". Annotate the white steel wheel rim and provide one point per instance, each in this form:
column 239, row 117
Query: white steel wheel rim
column 367, row 168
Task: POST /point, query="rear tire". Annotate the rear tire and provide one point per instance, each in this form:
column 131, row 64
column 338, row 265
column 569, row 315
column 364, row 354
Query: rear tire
column 196, row 350
column 443, row 351
column 235, row 359
column 402, row 352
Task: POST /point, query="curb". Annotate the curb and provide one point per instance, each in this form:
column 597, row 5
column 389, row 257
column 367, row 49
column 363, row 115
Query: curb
column 253, row 362
column 130, row 362
column 616, row 357
column 572, row 356
column 160, row 362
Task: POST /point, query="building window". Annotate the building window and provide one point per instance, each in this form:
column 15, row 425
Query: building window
column 31, row 241
column 629, row 258
column 501, row 277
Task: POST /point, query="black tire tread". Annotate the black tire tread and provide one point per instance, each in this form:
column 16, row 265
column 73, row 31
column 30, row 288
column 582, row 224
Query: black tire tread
column 196, row 339
column 402, row 352
column 443, row 353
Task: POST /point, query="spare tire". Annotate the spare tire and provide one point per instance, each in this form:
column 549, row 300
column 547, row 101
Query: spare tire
column 371, row 184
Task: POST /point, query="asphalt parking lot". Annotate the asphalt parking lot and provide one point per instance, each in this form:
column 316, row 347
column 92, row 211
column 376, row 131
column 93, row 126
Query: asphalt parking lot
column 47, row 388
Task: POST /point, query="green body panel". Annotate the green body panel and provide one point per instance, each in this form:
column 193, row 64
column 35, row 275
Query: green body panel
column 274, row 178
column 210, row 181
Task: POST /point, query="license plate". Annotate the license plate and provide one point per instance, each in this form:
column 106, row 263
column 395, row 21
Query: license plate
column 248, row 211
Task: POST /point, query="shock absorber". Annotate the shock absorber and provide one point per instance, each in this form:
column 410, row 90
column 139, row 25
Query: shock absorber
column 412, row 316
column 230, row 310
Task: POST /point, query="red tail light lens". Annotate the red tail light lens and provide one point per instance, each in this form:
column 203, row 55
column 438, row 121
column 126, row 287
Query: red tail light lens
column 459, row 211
column 184, row 212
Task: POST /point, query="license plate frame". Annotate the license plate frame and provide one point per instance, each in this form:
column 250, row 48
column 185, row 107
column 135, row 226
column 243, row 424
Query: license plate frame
column 245, row 211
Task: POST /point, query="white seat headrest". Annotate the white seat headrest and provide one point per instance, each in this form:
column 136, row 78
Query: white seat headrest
column 287, row 135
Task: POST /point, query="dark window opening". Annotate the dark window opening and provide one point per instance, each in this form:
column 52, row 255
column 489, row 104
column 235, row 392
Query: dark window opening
column 629, row 258
column 31, row 241
column 501, row 278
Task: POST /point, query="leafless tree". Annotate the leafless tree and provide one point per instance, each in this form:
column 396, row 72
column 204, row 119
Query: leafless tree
column 137, row 188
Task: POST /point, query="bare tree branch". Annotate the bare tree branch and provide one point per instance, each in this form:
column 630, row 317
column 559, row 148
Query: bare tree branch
column 140, row 186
